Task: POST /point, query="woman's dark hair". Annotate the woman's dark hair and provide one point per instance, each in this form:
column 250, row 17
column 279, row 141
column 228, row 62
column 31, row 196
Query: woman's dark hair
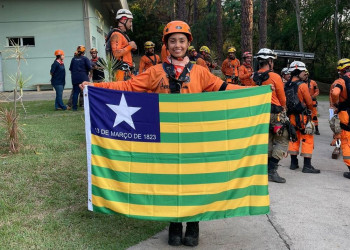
column 58, row 57
column 166, row 38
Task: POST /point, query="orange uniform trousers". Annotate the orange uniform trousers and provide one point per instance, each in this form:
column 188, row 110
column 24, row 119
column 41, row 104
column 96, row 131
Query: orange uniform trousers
column 345, row 137
column 306, row 141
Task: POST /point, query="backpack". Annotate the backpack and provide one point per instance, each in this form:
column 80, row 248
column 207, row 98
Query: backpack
column 108, row 40
column 259, row 78
column 294, row 105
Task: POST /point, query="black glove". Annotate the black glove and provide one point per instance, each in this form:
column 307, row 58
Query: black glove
column 292, row 133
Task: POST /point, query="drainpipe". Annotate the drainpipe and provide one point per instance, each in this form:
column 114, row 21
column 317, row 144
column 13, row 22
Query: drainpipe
column 1, row 79
column 86, row 24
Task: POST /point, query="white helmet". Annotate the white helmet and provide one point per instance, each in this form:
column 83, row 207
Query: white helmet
column 265, row 53
column 284, row 71
column 123, row 12
column 297, row 65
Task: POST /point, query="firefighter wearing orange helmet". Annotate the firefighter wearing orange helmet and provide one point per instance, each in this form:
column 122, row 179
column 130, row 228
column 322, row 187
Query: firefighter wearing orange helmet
column 341, row 99
column 176, row 75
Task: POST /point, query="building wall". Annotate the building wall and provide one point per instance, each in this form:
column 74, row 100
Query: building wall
column 55, row 24
column 99, row 26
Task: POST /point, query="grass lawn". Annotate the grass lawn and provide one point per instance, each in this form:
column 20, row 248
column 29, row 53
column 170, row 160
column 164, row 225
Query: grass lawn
column 43, row 189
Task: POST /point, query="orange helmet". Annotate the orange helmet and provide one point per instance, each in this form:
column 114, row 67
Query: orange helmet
column 81, row 48
column 176, row 27
column 59, row 52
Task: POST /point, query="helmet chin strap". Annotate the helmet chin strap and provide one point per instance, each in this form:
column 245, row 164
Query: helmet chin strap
column 124, row 24
column 178, row 58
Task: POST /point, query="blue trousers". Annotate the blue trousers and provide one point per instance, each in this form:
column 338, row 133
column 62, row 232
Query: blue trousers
column 76, row 91
column 59, row 94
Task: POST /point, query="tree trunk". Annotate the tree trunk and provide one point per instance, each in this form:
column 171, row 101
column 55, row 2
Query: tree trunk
column 195, row 11
column 181, row 10
column 247, row 25
column 209, row 34
column 219, row 29
column 263, row 24
column 300, row 31
column 336, row 27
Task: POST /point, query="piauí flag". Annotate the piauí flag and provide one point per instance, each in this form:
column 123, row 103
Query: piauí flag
column 178, row 157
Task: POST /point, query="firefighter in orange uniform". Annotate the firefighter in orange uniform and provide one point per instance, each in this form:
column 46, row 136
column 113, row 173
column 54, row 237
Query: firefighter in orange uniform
column 340, row 99
column 149, row 59
column 314, row 92
column 278, row 134
column 195, row 58
column 230, row 66
column 300, row 117
column 245, row 71
column 120, row 45
column 176, row 75
column 206, row 56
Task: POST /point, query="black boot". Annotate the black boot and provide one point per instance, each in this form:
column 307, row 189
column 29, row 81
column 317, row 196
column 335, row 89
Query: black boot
column 192, row 234
column 294, row 162
column 317, row 132
column 308, row 168
column 272, row 171
column 347, row 174
column 175, row 234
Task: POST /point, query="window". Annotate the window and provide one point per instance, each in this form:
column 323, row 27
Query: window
column 21, row 41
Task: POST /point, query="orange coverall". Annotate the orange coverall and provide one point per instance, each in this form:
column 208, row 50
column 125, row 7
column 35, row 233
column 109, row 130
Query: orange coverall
column 147, row 62
column 121, row 50
column 332, row 105
column 245, row 71
column 155, row 80
column 307, row 141
column 314, row 92
column 164, row 53
column 200, row 61
column 339, row 96
column 230, row 69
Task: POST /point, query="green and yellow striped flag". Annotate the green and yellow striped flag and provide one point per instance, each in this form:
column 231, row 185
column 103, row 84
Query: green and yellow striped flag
column 178, row 157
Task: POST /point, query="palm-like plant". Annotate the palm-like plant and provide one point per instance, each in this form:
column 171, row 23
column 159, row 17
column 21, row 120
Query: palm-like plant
column 109, row 66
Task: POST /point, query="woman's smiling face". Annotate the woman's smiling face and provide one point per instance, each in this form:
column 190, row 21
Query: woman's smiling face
column 178, row 45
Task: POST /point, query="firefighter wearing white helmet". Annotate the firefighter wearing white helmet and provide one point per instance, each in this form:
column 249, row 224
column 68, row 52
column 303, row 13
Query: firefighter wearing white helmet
column 119, row 45
column 285, row 74
column 299, row 109
column 279, row 123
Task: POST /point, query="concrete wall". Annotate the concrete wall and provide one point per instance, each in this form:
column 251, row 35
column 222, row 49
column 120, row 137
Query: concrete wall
column 55, row 24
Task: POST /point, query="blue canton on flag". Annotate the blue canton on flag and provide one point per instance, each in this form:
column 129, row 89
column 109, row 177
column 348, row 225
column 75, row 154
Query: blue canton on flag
column 125, row 115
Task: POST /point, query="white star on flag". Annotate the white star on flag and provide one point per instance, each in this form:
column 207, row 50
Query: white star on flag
column 124, row 112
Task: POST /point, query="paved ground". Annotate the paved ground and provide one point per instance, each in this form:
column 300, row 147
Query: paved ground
column 34, row 95
column 308, row 212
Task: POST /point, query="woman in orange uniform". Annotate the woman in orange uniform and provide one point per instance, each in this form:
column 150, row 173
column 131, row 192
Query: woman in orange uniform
column 175, row 75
